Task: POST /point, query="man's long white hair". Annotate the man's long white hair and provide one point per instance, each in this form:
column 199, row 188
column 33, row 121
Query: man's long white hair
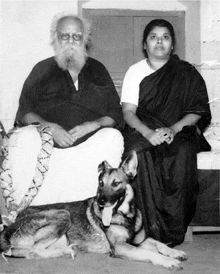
column 86, row 24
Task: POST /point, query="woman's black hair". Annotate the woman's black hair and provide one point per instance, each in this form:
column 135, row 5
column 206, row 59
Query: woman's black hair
column 159, row 23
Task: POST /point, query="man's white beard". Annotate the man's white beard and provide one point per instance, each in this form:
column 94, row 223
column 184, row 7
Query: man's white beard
column 70, row 57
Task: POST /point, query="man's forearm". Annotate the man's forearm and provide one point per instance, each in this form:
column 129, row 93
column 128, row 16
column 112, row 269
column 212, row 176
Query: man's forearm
column 105, row 121
column 32, row 117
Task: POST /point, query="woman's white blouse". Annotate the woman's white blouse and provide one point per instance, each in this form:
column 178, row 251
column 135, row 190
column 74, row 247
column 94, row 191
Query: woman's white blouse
column 132, row 79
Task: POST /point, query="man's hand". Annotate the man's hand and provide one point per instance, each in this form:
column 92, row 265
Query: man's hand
column 83, row 129
column 61, row 136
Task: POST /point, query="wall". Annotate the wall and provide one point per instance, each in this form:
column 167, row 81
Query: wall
column 25, row 27
column 210, row 57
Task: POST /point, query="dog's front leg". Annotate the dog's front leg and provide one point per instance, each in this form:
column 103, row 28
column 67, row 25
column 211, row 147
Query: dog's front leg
column 165, row 250
column 125, row 250
column 118, row 236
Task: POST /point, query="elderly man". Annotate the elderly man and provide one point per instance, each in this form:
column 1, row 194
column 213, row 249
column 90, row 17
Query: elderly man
column 74, row 95
column 70, row 92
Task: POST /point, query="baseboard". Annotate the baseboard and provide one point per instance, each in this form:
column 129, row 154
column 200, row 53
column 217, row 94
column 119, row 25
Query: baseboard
column 205, row 228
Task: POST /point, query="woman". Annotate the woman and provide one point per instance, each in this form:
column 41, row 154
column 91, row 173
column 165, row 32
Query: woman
column 165, row 105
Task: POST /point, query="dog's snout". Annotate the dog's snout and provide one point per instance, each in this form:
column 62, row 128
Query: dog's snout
column 102, row 200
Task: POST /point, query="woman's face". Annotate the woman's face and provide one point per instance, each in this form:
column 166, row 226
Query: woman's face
column 159, row 43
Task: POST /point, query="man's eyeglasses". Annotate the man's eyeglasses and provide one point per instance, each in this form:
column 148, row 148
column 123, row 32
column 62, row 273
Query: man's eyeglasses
column 66, row 36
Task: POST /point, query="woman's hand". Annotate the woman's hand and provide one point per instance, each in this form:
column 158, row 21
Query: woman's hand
column 160, row 135
column 165, row 133
column 153, row 137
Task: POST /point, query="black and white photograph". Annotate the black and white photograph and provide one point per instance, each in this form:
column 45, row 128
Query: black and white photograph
column 109, row 136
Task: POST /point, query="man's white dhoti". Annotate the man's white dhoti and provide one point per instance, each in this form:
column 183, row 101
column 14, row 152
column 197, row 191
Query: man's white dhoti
column 72, row 173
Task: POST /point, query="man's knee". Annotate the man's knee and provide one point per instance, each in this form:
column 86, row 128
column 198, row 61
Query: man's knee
column 111, row 135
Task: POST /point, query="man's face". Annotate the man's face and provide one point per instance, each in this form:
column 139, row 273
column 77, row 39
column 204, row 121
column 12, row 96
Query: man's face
column 70, row 32
column 70, row 48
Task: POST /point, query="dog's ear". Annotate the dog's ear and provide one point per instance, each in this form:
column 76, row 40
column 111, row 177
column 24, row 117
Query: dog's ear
column 103, row 166
column 130, row 164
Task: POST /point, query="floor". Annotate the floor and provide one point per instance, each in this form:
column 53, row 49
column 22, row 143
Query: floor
column 203, row 252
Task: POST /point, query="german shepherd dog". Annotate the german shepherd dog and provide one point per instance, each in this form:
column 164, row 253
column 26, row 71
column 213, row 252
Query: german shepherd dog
column 108, row 223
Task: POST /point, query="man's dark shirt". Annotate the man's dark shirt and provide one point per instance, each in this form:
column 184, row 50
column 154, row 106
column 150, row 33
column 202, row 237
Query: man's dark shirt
column 49, row 92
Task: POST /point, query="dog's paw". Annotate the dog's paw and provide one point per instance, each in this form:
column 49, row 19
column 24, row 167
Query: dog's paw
column 172, row 264
column 33, row 255
column 71, row 250
column 79, row 246
column 179, row 255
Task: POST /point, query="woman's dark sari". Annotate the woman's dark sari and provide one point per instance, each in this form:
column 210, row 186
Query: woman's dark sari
column 166, row 185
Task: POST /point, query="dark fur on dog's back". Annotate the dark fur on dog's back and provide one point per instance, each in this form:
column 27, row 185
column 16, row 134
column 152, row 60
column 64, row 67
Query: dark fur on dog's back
column 107, row 223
